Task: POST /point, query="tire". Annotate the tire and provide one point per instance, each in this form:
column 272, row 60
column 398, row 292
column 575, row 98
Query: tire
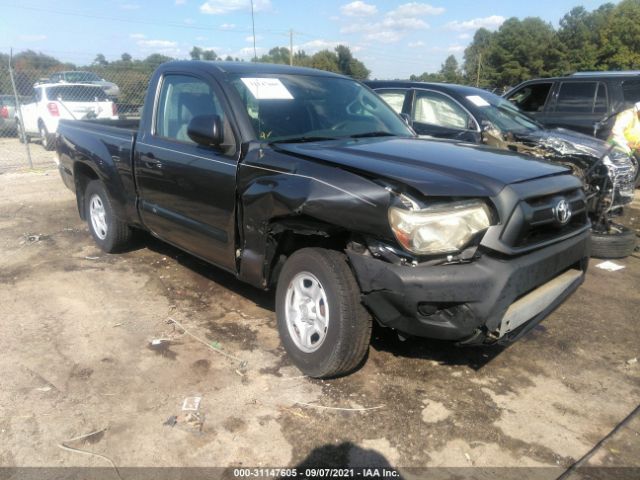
column 111, row 234
column 23, row 137
column 619, row 242
column 48, row 140
column 324, row 276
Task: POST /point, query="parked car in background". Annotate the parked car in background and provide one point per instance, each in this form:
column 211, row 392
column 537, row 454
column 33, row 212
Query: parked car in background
column 473, row 115
column 53, row 102
column 74, row 76
column 586, row 102
column 7, row 116
column 306, row 182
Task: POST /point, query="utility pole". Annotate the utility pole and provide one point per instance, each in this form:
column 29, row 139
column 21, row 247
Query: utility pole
column 253, row 26
column 291, row 46
column 479, row 66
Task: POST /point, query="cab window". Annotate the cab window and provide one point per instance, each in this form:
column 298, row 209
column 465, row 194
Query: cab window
column 181, row 98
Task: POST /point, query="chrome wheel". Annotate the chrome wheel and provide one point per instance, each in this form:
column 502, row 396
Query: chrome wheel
column 306, row 312
column 98, row 217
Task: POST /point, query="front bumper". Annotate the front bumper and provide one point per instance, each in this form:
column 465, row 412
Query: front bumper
column 491, row 298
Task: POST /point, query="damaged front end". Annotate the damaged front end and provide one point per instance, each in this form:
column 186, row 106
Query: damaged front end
column 608, row 174
column 493, row 288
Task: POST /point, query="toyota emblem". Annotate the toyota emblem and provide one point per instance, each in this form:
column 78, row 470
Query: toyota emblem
column 562, row 212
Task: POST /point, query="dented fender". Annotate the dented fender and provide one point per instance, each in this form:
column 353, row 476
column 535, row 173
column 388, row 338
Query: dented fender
column 275, row 187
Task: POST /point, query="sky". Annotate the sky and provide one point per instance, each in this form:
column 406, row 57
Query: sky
column 394, row 38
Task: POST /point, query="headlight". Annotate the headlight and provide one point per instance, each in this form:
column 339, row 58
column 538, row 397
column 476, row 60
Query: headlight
column 440, row 229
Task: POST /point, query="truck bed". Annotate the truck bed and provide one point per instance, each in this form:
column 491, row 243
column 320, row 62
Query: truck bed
column 106, row 142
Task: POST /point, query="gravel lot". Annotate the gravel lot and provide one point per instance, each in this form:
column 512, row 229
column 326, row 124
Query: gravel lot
column 77, row 356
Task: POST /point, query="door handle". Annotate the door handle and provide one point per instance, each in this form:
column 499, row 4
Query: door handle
column 150, row 161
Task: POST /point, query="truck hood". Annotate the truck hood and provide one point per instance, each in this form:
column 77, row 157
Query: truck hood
column 432, row 167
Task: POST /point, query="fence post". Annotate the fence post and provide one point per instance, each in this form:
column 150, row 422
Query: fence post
column 19, row 110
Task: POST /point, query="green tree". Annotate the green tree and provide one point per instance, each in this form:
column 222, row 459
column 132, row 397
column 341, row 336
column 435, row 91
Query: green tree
column 100, row 60
column 620, row 36
column 125, row 58
column 475, row 56
column 450, row 71
column 276, row 55
column 349, row 65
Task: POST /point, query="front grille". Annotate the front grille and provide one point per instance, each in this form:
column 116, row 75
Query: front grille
column 534, row 221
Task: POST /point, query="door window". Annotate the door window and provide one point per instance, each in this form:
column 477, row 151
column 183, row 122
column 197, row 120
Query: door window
column 395, row 98
column 531, row 98
column 433, row 108
column 576, row 97
column 181, row 98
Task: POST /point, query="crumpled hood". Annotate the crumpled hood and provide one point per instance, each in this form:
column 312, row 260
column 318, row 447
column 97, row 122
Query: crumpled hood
column 565, row 142
column 431, row 167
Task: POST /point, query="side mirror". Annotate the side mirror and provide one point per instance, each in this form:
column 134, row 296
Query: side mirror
column 407, row 119
column 206, row 130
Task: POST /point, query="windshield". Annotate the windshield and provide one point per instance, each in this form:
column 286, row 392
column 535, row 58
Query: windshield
column 77, row 93
column 79, row 77
column 504, row 114
column 307, row 107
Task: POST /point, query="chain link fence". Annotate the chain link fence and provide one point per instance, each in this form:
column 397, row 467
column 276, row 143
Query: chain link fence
column 34, row 100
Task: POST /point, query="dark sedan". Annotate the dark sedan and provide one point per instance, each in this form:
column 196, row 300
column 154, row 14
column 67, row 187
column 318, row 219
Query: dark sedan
column 473, row 115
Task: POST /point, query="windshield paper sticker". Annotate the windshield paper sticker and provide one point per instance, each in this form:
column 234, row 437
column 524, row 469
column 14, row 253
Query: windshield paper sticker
column 267, row 89
column 478, row 101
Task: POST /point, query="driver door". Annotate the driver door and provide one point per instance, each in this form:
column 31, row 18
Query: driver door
column 187, row 191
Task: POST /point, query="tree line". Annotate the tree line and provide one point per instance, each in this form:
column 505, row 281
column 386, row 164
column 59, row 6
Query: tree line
column 607, row 38
column 132, row 75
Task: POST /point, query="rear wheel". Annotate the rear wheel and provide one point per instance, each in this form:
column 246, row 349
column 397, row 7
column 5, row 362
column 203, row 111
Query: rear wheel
column 618, row 242
column 48, row 140
column 110, row 233
column 22, row 136
column 323, row 326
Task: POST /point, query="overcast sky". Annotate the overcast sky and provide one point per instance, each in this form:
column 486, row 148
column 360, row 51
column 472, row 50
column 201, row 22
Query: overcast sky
column 393, row 38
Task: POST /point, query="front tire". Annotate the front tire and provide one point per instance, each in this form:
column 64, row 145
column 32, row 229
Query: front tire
column 323, row 325
column 618, row 242
column 111, row 234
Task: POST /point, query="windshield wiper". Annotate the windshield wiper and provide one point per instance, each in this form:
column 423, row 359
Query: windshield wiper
column 373, row 134
column 303, row 139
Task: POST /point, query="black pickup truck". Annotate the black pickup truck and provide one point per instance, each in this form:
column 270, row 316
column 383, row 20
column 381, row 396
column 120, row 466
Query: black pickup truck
column 308, row 182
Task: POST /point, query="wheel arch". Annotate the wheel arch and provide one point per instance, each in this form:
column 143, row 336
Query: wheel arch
column 82, row 175
column 287, row 235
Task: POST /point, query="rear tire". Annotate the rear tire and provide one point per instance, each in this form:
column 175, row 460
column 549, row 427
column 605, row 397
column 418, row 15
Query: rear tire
column 48, row 140
column 323, row 325
column 23, row 137
column 619, row 242
column 111, row 234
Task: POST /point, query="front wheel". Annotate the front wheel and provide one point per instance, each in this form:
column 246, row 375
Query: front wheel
column 110, row 233
column 323, row 326
column 617, row 242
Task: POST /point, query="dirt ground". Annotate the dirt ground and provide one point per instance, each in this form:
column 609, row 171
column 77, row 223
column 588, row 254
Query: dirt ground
column 77, row 356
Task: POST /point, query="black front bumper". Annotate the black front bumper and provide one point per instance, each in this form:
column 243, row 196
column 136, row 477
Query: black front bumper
column 466, row 302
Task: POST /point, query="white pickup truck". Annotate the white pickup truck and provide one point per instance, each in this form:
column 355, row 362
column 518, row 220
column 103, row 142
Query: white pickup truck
column 52, row 102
